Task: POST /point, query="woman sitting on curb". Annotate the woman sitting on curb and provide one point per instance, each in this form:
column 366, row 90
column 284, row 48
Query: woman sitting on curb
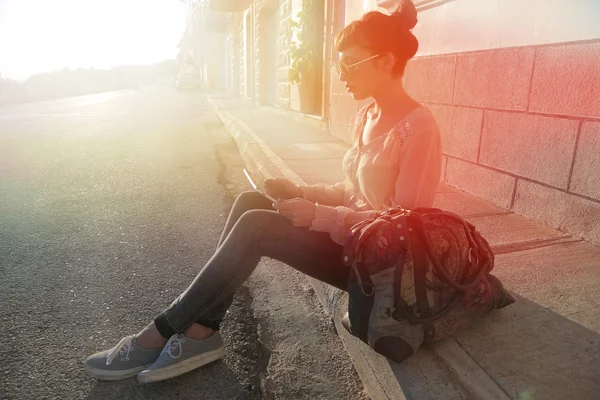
column 395, row 161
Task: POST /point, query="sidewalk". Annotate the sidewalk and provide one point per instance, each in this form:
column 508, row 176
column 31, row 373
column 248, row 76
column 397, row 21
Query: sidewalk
column 545, row 346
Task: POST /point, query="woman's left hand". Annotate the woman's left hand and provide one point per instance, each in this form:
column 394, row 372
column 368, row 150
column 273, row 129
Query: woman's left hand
column 300, row 212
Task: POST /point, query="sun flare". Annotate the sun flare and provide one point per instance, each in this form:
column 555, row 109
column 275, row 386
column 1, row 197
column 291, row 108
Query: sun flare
column 40, row 35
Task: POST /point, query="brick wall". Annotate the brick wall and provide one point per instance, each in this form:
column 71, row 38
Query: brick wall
column 521, row 128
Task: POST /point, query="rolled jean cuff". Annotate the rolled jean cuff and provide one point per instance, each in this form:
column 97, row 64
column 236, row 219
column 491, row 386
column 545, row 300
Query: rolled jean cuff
column 213, row 324
column 163, row 326
column 166, row 330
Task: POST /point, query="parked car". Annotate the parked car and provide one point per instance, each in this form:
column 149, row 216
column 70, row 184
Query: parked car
column 188, row 81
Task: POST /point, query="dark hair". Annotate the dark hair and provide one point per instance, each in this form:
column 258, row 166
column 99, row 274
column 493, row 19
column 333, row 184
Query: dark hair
column 382, row 33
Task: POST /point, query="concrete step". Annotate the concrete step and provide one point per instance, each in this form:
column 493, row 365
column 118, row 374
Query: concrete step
column 547, row 344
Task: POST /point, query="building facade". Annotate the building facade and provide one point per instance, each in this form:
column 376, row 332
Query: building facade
column 204, row 47
column 514, row 86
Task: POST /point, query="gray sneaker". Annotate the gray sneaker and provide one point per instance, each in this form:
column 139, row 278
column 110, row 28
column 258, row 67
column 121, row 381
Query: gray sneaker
column 182, row 354
column 123, row 361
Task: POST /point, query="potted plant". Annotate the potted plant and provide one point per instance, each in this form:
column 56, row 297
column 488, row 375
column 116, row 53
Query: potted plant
column 304, row 70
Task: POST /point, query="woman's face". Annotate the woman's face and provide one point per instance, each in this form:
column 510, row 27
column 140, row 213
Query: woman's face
column 362, row 71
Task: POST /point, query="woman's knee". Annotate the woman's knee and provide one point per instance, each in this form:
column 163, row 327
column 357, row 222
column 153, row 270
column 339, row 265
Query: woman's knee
column 251, row 200
column 260, row 222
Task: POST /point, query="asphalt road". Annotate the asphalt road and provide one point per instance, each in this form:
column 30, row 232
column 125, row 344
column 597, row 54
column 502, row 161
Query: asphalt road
column 109, row 205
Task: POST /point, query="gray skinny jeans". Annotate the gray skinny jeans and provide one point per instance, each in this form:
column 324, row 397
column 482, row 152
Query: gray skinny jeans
column 253, row 230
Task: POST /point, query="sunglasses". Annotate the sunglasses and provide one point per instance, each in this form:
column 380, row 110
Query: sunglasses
column 345, row 69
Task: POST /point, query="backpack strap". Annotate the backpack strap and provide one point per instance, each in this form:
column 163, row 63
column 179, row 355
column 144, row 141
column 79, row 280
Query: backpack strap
column 420, row 253
column 349, row 251
column 420, row 264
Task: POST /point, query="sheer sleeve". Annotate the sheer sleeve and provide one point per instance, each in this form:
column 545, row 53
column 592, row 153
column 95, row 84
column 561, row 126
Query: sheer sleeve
column 332, row 195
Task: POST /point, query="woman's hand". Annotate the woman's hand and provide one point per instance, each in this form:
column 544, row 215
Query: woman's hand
column 282, row 189
column 299, row 211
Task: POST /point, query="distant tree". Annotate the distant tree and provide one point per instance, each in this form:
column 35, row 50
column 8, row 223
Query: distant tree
column 11, row 91
column 76, row 82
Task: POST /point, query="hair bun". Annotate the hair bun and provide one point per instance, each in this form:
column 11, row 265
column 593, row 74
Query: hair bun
column 406, row 14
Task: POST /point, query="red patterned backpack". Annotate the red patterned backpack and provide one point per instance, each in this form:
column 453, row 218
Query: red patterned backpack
column 417, row 276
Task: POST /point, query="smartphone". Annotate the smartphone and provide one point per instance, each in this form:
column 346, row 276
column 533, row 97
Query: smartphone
column 257, row 188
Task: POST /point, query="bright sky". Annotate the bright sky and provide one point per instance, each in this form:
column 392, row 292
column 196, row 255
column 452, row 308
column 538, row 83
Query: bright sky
column 46, row 35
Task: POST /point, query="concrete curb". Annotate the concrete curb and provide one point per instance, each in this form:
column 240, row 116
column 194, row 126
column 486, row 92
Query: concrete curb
column 375, row 370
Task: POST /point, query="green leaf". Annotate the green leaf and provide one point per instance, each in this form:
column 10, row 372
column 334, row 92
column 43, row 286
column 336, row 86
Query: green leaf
column 304, row 40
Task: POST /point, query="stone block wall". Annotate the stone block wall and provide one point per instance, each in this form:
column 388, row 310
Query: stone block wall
column 517, row 102
column 521, row 128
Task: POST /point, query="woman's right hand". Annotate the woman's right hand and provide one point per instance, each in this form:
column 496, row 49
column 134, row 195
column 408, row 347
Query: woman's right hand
column 282, row 189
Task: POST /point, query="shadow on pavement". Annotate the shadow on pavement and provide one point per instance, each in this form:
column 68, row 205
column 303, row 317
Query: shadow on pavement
column 533, row 352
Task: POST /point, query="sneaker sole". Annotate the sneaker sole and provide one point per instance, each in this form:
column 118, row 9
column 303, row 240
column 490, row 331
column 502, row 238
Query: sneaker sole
column 105, row 375
column 180, row 368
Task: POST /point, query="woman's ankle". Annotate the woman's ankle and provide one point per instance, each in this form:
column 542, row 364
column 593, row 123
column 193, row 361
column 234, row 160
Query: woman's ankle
column 150, row 338
column 198, row 332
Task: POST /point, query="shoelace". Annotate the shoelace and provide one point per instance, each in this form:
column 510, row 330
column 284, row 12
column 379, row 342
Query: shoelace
column 174, row 343
column 124, row 347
